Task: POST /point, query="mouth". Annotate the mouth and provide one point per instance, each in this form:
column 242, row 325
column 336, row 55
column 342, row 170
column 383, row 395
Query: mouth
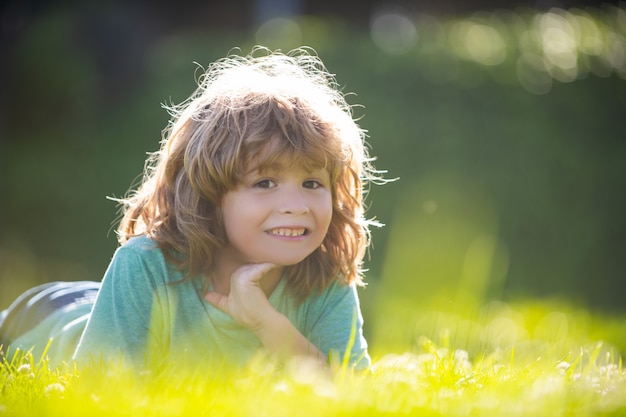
column 288, row 231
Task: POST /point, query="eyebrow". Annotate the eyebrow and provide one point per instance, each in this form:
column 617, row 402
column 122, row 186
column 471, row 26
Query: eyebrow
column 278, row 167
column 264, row 167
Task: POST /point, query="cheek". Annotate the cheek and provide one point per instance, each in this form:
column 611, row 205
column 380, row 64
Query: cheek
column 235, row 221
column 230, row 217
column 326, row 213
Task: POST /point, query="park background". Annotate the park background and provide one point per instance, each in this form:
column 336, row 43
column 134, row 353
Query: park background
column 504, row 125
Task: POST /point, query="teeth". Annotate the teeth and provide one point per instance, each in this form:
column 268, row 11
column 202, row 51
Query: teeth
column 283, row 231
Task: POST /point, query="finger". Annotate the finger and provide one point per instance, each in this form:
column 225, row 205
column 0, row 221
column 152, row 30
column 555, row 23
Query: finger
column 217, row 300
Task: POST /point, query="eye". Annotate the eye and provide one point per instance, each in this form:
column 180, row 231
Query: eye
column 312, row 184
column 264, row 183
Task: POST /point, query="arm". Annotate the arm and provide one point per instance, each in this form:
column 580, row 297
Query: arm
column 335, row 325
column 281, row 338
column 121, row 325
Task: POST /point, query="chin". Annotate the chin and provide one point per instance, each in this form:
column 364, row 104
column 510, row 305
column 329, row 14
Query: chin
column 285, row 261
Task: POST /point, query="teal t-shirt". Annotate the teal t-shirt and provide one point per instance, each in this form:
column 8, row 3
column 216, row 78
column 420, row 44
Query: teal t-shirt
column 143, row 313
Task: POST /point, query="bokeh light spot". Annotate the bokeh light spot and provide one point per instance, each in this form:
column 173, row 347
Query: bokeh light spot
column 478, row 42
column 279, row 33
column 559, row 45
column 532, row 74
column 588, row 33
column 393, row 32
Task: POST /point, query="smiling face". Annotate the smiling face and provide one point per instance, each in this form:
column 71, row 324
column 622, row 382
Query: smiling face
column 279, row 214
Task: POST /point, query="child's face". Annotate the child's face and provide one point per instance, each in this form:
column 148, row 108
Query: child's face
column 280, row 215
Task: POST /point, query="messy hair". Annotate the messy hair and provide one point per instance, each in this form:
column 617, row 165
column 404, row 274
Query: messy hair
column 269, row 106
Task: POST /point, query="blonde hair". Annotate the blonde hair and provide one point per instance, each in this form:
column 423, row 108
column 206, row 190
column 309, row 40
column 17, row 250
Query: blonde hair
column 267, row 105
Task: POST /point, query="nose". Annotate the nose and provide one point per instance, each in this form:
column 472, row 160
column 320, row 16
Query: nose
column 292, row 201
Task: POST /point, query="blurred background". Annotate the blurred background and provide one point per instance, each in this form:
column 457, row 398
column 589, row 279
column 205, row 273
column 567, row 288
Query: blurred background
column 504, row 123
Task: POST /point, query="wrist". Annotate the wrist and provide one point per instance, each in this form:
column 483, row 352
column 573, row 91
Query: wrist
column 269, row 326
column 282, row 340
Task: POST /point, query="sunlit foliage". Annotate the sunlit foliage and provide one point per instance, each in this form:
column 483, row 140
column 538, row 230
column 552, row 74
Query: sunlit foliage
column 539, row 48
column 428, row 378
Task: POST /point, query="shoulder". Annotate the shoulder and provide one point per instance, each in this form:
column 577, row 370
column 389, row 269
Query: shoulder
column 339, row 288
column 141, row 256
column 140, row 244
column 337, row 295
column 140, row 248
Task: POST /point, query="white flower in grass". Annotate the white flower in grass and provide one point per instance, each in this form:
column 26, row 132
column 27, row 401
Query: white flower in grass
column 54, row 389
column 24, row 368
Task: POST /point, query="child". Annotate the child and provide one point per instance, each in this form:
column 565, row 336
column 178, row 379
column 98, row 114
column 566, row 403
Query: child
column 246, row 234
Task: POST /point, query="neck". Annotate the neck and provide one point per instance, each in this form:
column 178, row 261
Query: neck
column 221, row 276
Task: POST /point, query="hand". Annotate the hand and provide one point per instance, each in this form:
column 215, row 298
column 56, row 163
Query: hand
column 246, row 302
column 248, row 305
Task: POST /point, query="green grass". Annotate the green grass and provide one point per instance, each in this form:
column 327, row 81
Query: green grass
column 532, row 377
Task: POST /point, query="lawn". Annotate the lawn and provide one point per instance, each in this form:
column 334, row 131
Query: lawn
column 535, row 376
